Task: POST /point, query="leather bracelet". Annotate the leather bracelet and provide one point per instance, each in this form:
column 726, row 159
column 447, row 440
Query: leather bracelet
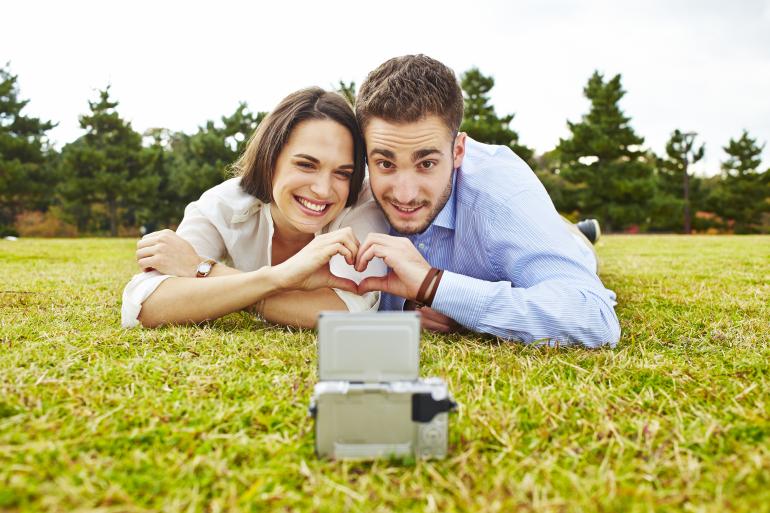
column 434, row 289
column 425, row 285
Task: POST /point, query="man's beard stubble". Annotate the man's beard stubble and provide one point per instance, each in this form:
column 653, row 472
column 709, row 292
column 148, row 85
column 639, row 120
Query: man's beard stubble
column 447, row 192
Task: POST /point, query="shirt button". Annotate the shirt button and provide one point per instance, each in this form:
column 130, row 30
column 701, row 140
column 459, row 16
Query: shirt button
column 421, row 245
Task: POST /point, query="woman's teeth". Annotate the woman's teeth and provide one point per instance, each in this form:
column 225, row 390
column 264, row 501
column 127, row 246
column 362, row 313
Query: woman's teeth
column 316, row 207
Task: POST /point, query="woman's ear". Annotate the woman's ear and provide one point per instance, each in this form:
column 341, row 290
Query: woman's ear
column 458, row 150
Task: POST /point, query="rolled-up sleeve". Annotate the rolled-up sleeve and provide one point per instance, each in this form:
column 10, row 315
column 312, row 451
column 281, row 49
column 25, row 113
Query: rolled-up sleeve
column 204, row 237
column 137, row 290
column 197, row 229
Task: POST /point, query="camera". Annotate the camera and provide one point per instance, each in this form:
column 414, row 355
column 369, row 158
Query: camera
column 370, row 401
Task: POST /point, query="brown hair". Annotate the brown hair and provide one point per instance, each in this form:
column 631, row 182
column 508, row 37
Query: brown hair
column 256, row 166
column 406, row 89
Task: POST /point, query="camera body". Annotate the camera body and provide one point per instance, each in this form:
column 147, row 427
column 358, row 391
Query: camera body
column 370, row 402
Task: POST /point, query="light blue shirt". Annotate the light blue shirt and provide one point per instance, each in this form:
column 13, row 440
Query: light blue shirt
column 511, row 266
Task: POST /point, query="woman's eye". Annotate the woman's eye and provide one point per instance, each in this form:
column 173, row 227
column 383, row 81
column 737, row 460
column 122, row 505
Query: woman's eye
column 305, row 165
column 344, row 175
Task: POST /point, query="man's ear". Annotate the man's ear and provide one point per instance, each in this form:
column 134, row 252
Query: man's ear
column 458, row 151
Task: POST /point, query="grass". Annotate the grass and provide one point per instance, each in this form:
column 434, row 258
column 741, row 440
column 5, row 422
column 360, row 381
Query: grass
column 214, row 418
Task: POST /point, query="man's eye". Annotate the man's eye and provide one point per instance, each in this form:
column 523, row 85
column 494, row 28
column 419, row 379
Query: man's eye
column 384, row 164
column 427, row 164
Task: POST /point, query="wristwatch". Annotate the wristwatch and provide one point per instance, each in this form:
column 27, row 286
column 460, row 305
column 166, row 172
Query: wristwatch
column 204, row 268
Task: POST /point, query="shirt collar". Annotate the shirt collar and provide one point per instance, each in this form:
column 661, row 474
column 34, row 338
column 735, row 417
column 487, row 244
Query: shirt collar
column 446, row 218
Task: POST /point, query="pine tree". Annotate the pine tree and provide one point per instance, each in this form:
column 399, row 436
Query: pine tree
column 348, row 91
column 674, row 174
column 26, row 177
column 104, row 166
column 480, row 120
column 202, row 160
column 744, row 193
column 604, row 158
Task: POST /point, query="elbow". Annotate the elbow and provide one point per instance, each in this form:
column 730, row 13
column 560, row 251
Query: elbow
column 605, row 331
column 148, row 320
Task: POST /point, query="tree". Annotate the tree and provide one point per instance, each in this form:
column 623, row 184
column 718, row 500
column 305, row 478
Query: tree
column 26, row 177
column 348, row 91
column 162, row 206
column 201, row 160
column 673, row 170
column 604, row 159
column 104, row 166
column 480, row 120
column 744, row 193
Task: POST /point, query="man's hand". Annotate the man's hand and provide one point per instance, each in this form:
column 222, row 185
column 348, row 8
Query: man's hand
column 168, row 253
column 434, row 321
column 408, row 268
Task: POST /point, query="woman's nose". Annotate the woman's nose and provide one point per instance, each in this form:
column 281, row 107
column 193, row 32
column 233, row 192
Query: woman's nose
column 322, row 186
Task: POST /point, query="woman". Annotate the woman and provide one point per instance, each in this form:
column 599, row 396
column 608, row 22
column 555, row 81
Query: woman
column 263, row 240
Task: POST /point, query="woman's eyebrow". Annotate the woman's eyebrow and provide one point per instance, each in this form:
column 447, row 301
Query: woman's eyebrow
column 308, row 157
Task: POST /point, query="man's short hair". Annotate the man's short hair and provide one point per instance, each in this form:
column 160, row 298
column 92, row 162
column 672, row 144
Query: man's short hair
column 409, row 88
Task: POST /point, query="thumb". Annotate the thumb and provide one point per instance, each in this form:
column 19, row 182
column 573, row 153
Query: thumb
column 373, row 283
column 336, row 282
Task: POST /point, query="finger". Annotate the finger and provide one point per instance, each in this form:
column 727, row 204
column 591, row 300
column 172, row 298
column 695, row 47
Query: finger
column 374, row 283
column 152, row 235
column 430, row 324
column 381, row 238
column 147, row 263
column 346, row 237
column 430, row 313
column 338, row 248
column 387, row 253
column 145, row 252
column 365, row 255
column 146, row 242
column 336, row 282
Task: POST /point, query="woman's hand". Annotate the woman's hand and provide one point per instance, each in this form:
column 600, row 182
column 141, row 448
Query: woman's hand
column 167, row 253
column 309, row 268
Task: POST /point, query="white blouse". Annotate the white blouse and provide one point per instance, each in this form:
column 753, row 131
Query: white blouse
column 232, row 226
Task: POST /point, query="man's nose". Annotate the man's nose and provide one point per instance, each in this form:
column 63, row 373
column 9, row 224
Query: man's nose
column 405, row 189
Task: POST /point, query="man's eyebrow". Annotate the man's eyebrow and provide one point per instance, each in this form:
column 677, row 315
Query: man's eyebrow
column 420, row 154
column 385, row 153
column 308, row 157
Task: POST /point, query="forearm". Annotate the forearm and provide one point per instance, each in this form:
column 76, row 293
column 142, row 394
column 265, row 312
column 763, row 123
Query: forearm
column 300, row 308
column 290, row 308
column 553, row 310
column 191, row 300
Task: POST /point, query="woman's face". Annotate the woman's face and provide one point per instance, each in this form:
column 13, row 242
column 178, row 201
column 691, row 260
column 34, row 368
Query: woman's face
column 312, row 176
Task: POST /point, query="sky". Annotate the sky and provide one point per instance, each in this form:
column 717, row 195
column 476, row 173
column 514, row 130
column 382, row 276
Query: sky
column 700, row 66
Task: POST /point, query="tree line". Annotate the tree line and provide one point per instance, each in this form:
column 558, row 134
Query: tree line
column 113, row 180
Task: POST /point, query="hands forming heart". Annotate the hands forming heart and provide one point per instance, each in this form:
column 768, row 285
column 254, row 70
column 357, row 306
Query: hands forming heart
column 334, row 260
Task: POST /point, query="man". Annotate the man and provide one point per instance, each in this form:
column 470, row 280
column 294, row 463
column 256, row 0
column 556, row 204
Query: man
column 475, row 239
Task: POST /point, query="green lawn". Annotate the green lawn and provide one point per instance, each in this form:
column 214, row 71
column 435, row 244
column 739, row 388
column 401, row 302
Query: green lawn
column 214, row 418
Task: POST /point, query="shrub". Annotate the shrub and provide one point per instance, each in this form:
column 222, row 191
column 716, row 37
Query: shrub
column 34, row 223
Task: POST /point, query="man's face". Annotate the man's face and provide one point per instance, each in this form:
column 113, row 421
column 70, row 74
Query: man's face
column 410, row 169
